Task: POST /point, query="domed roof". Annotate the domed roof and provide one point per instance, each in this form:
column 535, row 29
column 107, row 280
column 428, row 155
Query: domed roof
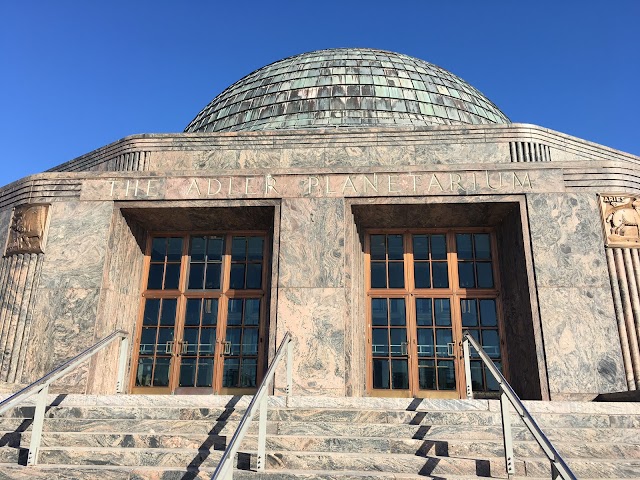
column 346, row 87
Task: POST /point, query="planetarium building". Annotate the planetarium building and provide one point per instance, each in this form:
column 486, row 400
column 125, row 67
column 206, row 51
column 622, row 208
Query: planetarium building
column 372, row 204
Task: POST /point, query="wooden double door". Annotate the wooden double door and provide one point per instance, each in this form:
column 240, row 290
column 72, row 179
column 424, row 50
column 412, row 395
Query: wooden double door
column 424, row 288
column 202, row 314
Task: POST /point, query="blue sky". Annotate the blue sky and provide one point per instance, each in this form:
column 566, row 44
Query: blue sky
column 75, row 76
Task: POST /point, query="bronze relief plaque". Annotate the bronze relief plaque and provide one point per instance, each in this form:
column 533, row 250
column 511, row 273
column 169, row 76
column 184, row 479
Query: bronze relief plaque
column 621, row 219
column 27, row 229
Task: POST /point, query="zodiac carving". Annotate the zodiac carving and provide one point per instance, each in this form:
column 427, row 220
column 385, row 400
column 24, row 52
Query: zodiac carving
column 621, row 215
column 26, row 233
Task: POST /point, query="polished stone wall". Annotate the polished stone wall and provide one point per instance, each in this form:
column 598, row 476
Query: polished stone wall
column 68, row 293
column 581, row 340
column 567, row 328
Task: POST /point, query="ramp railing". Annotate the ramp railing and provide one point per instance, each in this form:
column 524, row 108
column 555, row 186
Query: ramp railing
column 40, row 388
column 224, row 471
column 559, row 468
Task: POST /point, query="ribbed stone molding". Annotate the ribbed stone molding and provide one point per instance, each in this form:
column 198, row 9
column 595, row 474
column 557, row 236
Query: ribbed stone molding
column 624, row 272
column 19, row 276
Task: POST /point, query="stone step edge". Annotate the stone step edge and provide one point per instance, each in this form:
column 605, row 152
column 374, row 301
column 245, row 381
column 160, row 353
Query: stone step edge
column 452, row 440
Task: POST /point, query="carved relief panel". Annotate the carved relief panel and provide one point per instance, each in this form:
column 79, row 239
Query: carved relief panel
column 621, row 218
column 27, row 229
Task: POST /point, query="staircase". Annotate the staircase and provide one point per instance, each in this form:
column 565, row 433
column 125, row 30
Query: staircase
column 127, row 437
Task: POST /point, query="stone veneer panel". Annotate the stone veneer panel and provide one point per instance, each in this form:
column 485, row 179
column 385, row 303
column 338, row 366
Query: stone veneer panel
column 579, row 324
column 312, row 243
column 567, row 243
column 119, row 299
column 581, row 342
column 69, row 290
column 315, row 318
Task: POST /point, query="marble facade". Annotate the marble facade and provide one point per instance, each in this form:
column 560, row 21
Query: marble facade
column 575, row 308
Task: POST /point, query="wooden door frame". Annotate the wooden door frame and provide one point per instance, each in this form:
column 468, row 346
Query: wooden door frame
column 410, row 292
column 224, row 294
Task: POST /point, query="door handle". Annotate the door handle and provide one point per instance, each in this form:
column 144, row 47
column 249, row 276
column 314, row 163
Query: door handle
column 227, row 348
column 185, row 346
column 450, row 347
column 403, row 348
column 168, row 348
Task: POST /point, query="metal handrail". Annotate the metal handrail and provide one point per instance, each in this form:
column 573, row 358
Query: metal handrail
column 224, row 470
column 558, row 466
column 40, row 387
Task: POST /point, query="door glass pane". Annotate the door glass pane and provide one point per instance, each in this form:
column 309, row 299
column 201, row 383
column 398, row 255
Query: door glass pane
column 215, row 246
column 425, row 342
column 168, row 312
column 482, row 245
column 231, row 372
column 158, row 249
column 422, row 273
column 188, row 372
column 420, row 247
column 491, row 343
column 196, row 276
column 423, row 312
column 151, row 311
column 205, row 372
column 144, row 372
column 488, row 316
column 192, row 315
column 172, row 276
column 156, row 272
column 440, row 275
column 249, row 374
column 198, row 248
column 438, row 247
column 234, row 315
column 397, row 311
column 400, row 374
column 485, row 275
column 210, row 311
column 252, row 311
column 254, row 275
column 381, row 373
column 463, row 246
column 398, row 341
column 444, row 339
column 395, row 247
column 378, row 247
column 396, row 275
column 427, row 374
column 446, row 375
column 190, row 341
column 207, row 345
column 161, row 372
column 213, row 278
column 255, row 248
column 380, row 341
column 174, row 250
column 239, row 249
column 379, row 311
column 469, row 313
column 237, row 276
column 465, row 272
column 378, row 275
column 442, row 309
column 148, row 341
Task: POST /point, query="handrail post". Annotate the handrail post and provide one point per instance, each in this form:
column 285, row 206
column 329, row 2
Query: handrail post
column 262, row 433
column 122, row 363
column 467, row 368
column 38, row 422
column 506, row 434
column 289, row 367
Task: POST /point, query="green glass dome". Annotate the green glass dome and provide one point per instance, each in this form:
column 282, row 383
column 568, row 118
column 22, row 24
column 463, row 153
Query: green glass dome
column 346, row 87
